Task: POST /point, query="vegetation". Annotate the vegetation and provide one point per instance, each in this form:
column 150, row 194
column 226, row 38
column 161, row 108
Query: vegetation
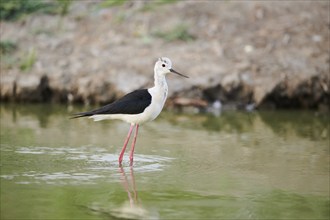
column 12, row 10
column 180, row 32
column 153, row 4
column 7, row 47
column 29, row 60
column 63, row 6
column 110, row 3
column 148, row 6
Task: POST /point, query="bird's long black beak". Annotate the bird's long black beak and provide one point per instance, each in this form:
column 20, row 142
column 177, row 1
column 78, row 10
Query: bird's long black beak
column 173, row 71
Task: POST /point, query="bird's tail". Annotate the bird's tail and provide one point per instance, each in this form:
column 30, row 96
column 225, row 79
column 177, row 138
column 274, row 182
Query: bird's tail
column 80, row 115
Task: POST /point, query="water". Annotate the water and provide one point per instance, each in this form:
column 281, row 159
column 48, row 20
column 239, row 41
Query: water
column 263, row 165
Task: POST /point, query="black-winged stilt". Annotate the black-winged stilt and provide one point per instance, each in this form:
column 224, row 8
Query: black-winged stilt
column 137, row 107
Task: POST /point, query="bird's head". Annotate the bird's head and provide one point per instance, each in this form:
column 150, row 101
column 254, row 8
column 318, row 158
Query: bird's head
column 164, row 66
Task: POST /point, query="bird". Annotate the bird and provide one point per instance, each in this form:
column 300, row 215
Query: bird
column 137, row 107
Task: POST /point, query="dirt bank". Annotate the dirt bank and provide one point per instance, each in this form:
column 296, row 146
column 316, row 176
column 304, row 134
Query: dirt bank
column 239, row 54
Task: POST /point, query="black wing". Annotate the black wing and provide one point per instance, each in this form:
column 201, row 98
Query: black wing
column 132, row 103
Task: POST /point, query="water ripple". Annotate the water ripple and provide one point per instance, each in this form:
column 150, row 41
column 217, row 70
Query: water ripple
column 83, row 165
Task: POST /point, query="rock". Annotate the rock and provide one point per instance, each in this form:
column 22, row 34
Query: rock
column 31, row 88
column 7, row 87
column 233, row 93
column 308, row 93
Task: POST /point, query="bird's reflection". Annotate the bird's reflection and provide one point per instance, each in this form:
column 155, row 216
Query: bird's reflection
column 129, row 186
column 133, row 210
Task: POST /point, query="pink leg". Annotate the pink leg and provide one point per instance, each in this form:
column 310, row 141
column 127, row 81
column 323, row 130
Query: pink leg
column 125, row 144
column 133, row 144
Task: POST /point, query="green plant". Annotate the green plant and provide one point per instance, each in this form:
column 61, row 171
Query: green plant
column 180, row 32
column 8, row 61
column 7, row 47
column 111, row 3
column 14, row 9
column 11, row 10
column 151, row 5
column 64, row 6
column 29, row 60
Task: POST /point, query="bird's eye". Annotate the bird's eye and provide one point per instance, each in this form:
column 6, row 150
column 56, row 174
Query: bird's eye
column 163, row 65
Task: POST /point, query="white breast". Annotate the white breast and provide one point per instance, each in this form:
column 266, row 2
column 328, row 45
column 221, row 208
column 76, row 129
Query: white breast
column 159, row 96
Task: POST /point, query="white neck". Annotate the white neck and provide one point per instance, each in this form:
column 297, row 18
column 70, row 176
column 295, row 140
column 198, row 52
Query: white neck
column 160, row 90
column 160, row 81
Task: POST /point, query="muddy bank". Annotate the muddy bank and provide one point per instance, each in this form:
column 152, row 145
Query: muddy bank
column 242, row 55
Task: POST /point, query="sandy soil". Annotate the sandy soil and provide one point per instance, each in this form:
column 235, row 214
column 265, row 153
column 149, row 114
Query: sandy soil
column 239, row 53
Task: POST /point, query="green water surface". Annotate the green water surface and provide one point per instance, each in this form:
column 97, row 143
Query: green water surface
column 260, row 165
